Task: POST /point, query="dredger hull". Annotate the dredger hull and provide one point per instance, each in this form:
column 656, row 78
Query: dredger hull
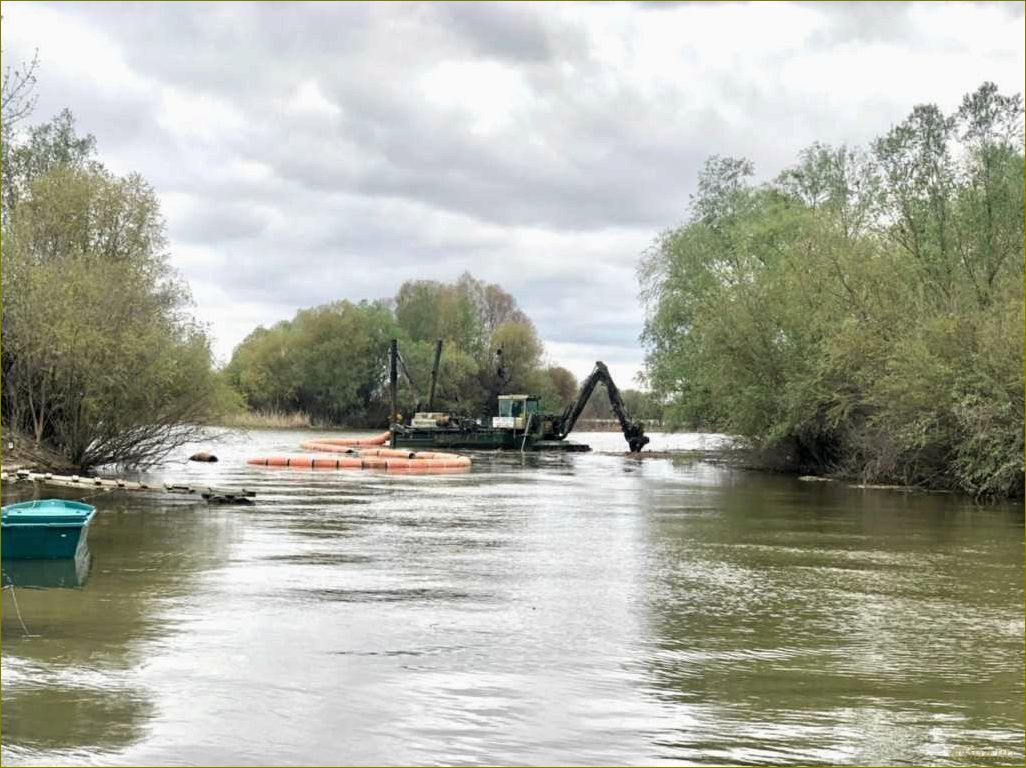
column 481, row 439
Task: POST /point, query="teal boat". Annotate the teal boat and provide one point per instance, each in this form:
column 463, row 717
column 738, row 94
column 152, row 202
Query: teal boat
column 46, row 529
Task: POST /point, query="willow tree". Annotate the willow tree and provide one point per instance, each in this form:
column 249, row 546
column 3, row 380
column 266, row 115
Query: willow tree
column 863, row 313
column 100, row 359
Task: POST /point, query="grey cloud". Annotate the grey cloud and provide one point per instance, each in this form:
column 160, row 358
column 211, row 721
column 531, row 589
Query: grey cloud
column 593, row 168
column 244, row 49
column 295, row 208
column 511, row 31
column 860, row 22
column 575, row 178
column 887, row 22
column 215, row 221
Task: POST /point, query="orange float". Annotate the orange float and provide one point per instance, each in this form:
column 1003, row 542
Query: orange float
column 356, row 457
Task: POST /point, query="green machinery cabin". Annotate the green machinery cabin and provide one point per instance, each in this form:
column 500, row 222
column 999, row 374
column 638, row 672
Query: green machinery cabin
column 515, row 411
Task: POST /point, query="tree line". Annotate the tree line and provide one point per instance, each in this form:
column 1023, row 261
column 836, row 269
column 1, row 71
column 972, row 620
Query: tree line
column 331, row 361
column 862, row 313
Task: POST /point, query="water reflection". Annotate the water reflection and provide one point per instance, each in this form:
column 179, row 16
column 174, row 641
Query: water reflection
column 71, row 683
column 540, row 609
column 834, row 625
column 48, row 574
column 102, row 715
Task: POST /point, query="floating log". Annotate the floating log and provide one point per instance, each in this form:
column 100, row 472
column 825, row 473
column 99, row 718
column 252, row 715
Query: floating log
column 213, row 494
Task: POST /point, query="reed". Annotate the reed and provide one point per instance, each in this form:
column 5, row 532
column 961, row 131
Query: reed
column 273, row 419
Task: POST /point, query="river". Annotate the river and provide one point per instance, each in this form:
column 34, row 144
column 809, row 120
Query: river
column 540, row 609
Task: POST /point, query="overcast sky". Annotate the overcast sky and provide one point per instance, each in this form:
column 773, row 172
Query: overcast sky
column 307, row 153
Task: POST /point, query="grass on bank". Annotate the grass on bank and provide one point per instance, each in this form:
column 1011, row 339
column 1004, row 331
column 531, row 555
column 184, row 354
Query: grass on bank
column 272, row 419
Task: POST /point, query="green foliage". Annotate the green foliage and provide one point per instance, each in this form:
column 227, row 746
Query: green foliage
column 457, row 390
column 521, row 355
column 331, row 361
column 428, row 310
column 557, row 388
column 863, row 313
column 341, row 351
column 99, row 359
column 46, row 147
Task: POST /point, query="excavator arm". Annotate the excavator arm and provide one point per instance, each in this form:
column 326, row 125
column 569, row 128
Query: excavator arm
column 632, row 431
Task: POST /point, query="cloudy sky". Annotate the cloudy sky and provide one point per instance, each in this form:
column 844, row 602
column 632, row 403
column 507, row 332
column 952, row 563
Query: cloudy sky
column 307, row 153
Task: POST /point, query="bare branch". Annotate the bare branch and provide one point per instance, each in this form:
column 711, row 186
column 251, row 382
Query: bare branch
column 18, row 98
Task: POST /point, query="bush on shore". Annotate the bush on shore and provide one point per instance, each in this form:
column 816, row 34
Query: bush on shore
column 863, row 313
column 101, row 362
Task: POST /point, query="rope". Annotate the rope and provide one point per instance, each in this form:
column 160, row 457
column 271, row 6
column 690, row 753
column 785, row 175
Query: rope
column 17, row 610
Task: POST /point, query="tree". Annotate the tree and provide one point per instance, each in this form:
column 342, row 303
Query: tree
column 99, row 358
column 44, row 147
column 340, row 354
column 474, row 319
column 17, row 96
column 262, row 369
column 989, row 224
column 458, row 389
column 559, row 388
column 17, row 100
column 521, row 355
column 427, row 310
column 861, row 314
column 492, row 305
column 329, row 361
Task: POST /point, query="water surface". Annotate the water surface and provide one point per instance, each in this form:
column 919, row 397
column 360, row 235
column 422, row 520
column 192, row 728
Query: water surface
column 554, row 609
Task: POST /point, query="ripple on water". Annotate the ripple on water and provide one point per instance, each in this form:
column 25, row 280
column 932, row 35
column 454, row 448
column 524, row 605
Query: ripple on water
column 582, row 608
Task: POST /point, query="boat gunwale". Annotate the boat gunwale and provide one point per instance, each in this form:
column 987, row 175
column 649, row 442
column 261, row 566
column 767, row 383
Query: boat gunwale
column 76, row 514
column 31, row 524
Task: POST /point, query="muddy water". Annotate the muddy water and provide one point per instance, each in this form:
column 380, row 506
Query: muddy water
column 572, row 609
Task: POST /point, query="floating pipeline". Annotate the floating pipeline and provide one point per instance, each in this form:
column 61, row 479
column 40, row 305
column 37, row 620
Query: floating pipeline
column 349, row 442
column 366, row 453
column 321, row 446
column 387, row 459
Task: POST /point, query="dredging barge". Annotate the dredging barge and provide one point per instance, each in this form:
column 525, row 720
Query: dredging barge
column 520, row 425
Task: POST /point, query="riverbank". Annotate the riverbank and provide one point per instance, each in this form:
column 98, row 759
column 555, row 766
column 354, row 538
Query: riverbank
column 20, row 451
column 754, row 460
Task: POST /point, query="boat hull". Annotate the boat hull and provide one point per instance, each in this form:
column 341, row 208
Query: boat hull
column 44, row 530
column 483, row 439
